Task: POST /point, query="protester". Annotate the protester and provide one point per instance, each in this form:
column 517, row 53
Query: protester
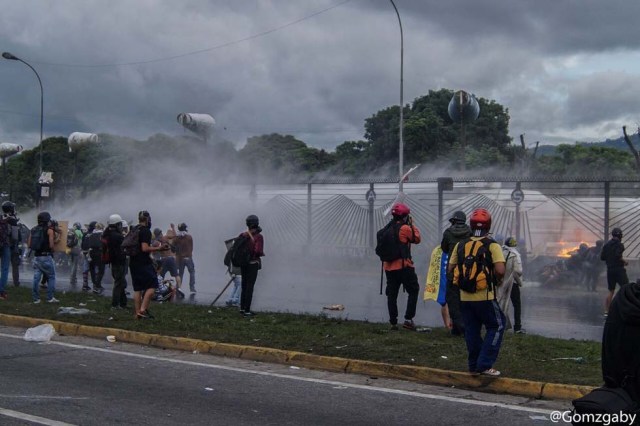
column 594, row 266
column 143, row 274
column 249, row 271
column 41, row 242
column 9, row 246
column 166, row 258
column 509, row 291
column 85, row 255
column 616, row 271
column 458, row 231
column 395, row 241
column 93, row 242
column 113, row 238
column 236, row 276
column 184, row 255
column 478, row 266
column 74, row 241
column 621, row 342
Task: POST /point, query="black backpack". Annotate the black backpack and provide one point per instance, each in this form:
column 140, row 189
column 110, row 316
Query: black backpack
column 389, row 247
column 239, row 252
column 72, row 239
column 131, row 244
column 39, row 239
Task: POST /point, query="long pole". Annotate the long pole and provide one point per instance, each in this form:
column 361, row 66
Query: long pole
column 41, row 110
column 401, row 147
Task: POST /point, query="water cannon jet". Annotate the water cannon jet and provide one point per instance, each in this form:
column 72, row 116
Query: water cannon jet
column 9, row 149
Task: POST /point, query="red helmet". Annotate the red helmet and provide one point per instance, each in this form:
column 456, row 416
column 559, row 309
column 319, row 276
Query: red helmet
column 480, row 219
column 400, row 209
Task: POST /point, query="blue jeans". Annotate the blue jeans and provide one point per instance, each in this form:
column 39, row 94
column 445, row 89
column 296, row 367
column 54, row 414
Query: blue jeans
column 5, row 261
column 234, row 298
column 482, row 352
column 188, row 263
column 43, row 265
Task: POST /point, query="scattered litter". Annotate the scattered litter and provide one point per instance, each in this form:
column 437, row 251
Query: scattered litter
column 208, row 389
column 423, row 330
column 111, row 338
column 82, row 304
column 74, row 311
column 40, row 333
column 196, row 352
column 340, row 387
column 91, row 300
column 340, row 347
column 443, row 356
column 334, row 307
column 293, row 367
column 413, row 360
column 256, row 340
column 210, row 311
column 577, row 359
column 110, row 319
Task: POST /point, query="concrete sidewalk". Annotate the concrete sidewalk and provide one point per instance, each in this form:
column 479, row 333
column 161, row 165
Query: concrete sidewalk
column 425, row 375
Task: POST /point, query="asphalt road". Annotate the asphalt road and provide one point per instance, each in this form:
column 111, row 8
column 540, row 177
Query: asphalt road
column 82, row 381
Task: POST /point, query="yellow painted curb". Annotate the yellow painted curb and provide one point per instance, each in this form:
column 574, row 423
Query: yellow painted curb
column 425, row 375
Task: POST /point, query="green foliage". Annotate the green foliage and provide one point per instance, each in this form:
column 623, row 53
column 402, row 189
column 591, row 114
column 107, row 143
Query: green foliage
column 586, row 160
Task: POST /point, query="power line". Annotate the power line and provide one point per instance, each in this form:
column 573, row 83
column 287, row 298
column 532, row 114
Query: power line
column 197, row 52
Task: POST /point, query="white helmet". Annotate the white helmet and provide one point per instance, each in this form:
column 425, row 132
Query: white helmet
column 114, row 219
column 125, row 225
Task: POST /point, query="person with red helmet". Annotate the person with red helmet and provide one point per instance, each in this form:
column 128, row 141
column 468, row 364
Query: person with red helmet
column 394, row 249
column 478, row 266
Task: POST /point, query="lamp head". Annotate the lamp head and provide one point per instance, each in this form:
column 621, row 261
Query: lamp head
column 9, row 56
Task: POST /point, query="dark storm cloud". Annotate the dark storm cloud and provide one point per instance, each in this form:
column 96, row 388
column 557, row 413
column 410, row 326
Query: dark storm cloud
column 265, row 70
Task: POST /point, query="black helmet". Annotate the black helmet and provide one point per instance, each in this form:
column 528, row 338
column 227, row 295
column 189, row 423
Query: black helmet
column 44, row 217
column 8, row 207
column 77, row 225
column 182, row 227
column 252, row 221
column 157, row 231
column 616, row 232
column 458, row 217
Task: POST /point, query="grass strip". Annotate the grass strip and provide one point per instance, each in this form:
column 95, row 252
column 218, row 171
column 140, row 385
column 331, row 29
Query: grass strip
column 527, row 357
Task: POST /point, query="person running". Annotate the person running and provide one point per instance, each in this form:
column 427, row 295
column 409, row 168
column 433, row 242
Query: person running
column 458, row 231
column 250, row 270
column 478, row 266
column 399, row 268
column 143, row 274
column 616, row 271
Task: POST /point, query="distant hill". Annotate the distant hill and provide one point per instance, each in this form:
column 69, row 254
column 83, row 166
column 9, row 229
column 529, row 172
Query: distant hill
column 609, row 143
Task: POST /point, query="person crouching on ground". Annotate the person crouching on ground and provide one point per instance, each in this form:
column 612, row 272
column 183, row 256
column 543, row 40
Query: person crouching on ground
column 143, row 274
column 478, row 267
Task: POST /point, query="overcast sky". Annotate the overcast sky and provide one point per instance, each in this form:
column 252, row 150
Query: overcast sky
column 316, row 69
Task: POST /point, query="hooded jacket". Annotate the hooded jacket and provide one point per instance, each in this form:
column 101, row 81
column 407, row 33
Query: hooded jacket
column 453, row 235
column 621, row 341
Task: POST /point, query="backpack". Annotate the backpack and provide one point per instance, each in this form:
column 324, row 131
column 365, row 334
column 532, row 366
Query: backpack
column 239, row 252
column 94, row 245
column 605, row 401
column 39, row 239
column 389, row 247
column 72, row 239
column 131, row 243
column 474, row 270
column 106, row 255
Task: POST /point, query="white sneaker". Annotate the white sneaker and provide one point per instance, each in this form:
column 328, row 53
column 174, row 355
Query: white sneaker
column 53, row 300
column 35, row 302
column 491, row 372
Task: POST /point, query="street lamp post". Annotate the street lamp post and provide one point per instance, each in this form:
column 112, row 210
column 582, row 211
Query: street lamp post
column 401, row 147
column 11, row 57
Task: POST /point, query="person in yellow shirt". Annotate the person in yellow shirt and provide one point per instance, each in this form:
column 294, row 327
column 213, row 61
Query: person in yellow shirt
column 478, row 266
column 399, row 269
